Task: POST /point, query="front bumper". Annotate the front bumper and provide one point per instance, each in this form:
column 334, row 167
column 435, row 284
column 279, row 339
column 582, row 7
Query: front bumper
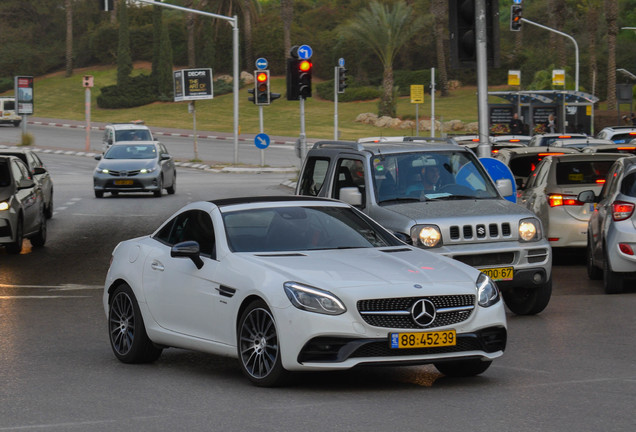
column 138, row 183
column 527, row 259
column 6, row 229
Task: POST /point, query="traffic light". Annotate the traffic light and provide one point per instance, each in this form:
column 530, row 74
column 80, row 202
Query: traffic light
column 262, row 87
column 298, row 78
column 463, row 43
column 515, row 17
column 304, row 78
column 342, row 79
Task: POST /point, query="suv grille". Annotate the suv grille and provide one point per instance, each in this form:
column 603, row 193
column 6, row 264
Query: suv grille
column 396, row 312
column 469, row 232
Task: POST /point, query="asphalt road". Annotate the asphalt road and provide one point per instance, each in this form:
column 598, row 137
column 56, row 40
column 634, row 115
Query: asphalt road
column 570, row 368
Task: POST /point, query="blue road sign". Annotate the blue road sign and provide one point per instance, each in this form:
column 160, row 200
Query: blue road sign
column 516, row 1
column 261, row 63
column 341, row 62
column 261, row 141
column 304, row 52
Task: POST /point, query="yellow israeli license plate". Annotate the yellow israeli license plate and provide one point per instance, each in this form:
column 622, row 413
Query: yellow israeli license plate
column 423, row 340
column 500, row 273
column 123, row 182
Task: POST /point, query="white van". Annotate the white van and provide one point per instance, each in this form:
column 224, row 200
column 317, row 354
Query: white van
column 7, row 111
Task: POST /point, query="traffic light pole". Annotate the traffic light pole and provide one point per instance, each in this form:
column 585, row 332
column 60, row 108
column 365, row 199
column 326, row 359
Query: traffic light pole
column 303, row 138
column 262, row 130
column 335, row 103
column 483, row 149
column 235, row 53
column 576, row 48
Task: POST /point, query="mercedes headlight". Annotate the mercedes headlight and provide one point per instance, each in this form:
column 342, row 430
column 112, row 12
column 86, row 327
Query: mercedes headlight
column 4, row 205
column 487, row 291
column 428, row 236
column 313, row 299
column 529, row 230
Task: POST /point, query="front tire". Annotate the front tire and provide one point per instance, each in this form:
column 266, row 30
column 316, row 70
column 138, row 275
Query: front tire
column 127, row 332
column 463, row 368
column 15, row 247
column 48, row 211
column 258, row 346
column 528, row 301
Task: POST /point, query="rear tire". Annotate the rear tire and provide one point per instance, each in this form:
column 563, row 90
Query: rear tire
column 612, row 281
column 528, row 301
column 127, row 332
column 463, row 368
column 99, row 194
column 173, row 188
column 48, row 211
column 593, row 272
column 157, row 193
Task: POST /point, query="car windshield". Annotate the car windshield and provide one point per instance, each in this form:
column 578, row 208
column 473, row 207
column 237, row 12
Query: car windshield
column 133, row 135
column 288, row 229
column 424, row 176
column 137, row 151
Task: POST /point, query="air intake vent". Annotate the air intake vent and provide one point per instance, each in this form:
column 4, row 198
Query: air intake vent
column 505, row 230
column 468, row 231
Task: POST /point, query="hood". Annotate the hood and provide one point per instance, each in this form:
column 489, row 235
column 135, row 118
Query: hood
column 126, row 164
column 5, row 193
column 341, row 269
column 475, row 209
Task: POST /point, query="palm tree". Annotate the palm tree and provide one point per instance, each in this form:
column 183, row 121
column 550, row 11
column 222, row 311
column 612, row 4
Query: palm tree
column 611, row 17
column 385, row 30
column 439, row 10
column 287, row 15
column 591, row 10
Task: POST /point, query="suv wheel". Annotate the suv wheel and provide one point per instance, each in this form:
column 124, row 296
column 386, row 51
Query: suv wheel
column 528, row 301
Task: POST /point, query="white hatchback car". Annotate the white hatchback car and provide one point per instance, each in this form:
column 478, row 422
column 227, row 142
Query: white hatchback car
column 297, row 283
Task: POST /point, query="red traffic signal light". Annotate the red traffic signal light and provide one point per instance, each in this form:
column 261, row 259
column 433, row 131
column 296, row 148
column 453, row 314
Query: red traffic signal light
column 304, row 78
column 262, row 88
column 515, row 17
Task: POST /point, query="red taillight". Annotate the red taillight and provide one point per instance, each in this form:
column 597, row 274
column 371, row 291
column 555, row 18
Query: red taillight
column 626, row 148
column 622, row 210
column 514, row 140
column 626, row 248
column 565, row 136
column 632, row 133
column 556, row 200
column 551, row 154
column 600, row 181
column 495, row 151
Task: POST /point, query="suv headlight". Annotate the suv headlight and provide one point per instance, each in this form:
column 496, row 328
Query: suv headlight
column 427, row 236
column 4, row 205
column 313, row 299
column 487, row 291
column 530, row 229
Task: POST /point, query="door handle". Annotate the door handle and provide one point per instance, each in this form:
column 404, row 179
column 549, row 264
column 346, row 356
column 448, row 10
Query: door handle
column 156, row 265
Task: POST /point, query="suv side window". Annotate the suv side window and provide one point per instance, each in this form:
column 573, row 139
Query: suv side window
column 314, row 176
column 349, row 173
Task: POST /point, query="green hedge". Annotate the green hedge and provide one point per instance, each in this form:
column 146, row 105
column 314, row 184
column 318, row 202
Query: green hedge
column 6, row 84
column 139, row 91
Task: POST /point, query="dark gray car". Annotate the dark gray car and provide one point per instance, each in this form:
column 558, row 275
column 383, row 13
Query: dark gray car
column 139, row 166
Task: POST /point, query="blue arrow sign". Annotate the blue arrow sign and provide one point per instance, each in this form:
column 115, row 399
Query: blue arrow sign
column 341, row 62
column 261, row 141
column 304, row 52
column 261, row 63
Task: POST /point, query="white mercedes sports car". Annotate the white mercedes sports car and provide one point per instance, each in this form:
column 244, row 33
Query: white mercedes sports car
column 295, row 283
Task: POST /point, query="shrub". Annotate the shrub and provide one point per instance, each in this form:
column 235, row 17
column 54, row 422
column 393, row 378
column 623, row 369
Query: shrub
column 6, row 84
column 139, row 90
column 351, row 94
column 27, row 140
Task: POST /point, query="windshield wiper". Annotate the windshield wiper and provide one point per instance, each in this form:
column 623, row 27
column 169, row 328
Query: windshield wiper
column 399, row 199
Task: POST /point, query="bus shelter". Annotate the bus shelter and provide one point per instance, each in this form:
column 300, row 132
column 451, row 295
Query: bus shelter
column 534, row 107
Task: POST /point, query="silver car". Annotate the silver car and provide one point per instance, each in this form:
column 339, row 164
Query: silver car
column 21, row 206
column 611, row 238
column 39, row 173
column 140, row 166
column 552, row 192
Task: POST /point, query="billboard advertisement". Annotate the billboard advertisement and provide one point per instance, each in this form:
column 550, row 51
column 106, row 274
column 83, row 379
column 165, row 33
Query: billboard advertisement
column 193, row 84
column 24, row 95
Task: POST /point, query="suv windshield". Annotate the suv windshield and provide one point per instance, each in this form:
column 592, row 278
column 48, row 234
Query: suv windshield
column 431, row 175
column 147, row 151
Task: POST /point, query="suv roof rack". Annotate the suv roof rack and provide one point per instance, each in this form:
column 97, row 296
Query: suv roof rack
column 339, row 144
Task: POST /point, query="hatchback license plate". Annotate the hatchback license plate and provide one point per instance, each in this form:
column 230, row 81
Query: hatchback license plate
column 499, row 274
column 423, row 340
column 123, row 182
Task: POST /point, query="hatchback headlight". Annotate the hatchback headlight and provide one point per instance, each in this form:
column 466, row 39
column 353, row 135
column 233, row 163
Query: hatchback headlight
column 529, row 230
column 313, row 299
column 487, row 291
column 147, row 170
column 4, row 205
column 102, row 170
column 427, row 236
